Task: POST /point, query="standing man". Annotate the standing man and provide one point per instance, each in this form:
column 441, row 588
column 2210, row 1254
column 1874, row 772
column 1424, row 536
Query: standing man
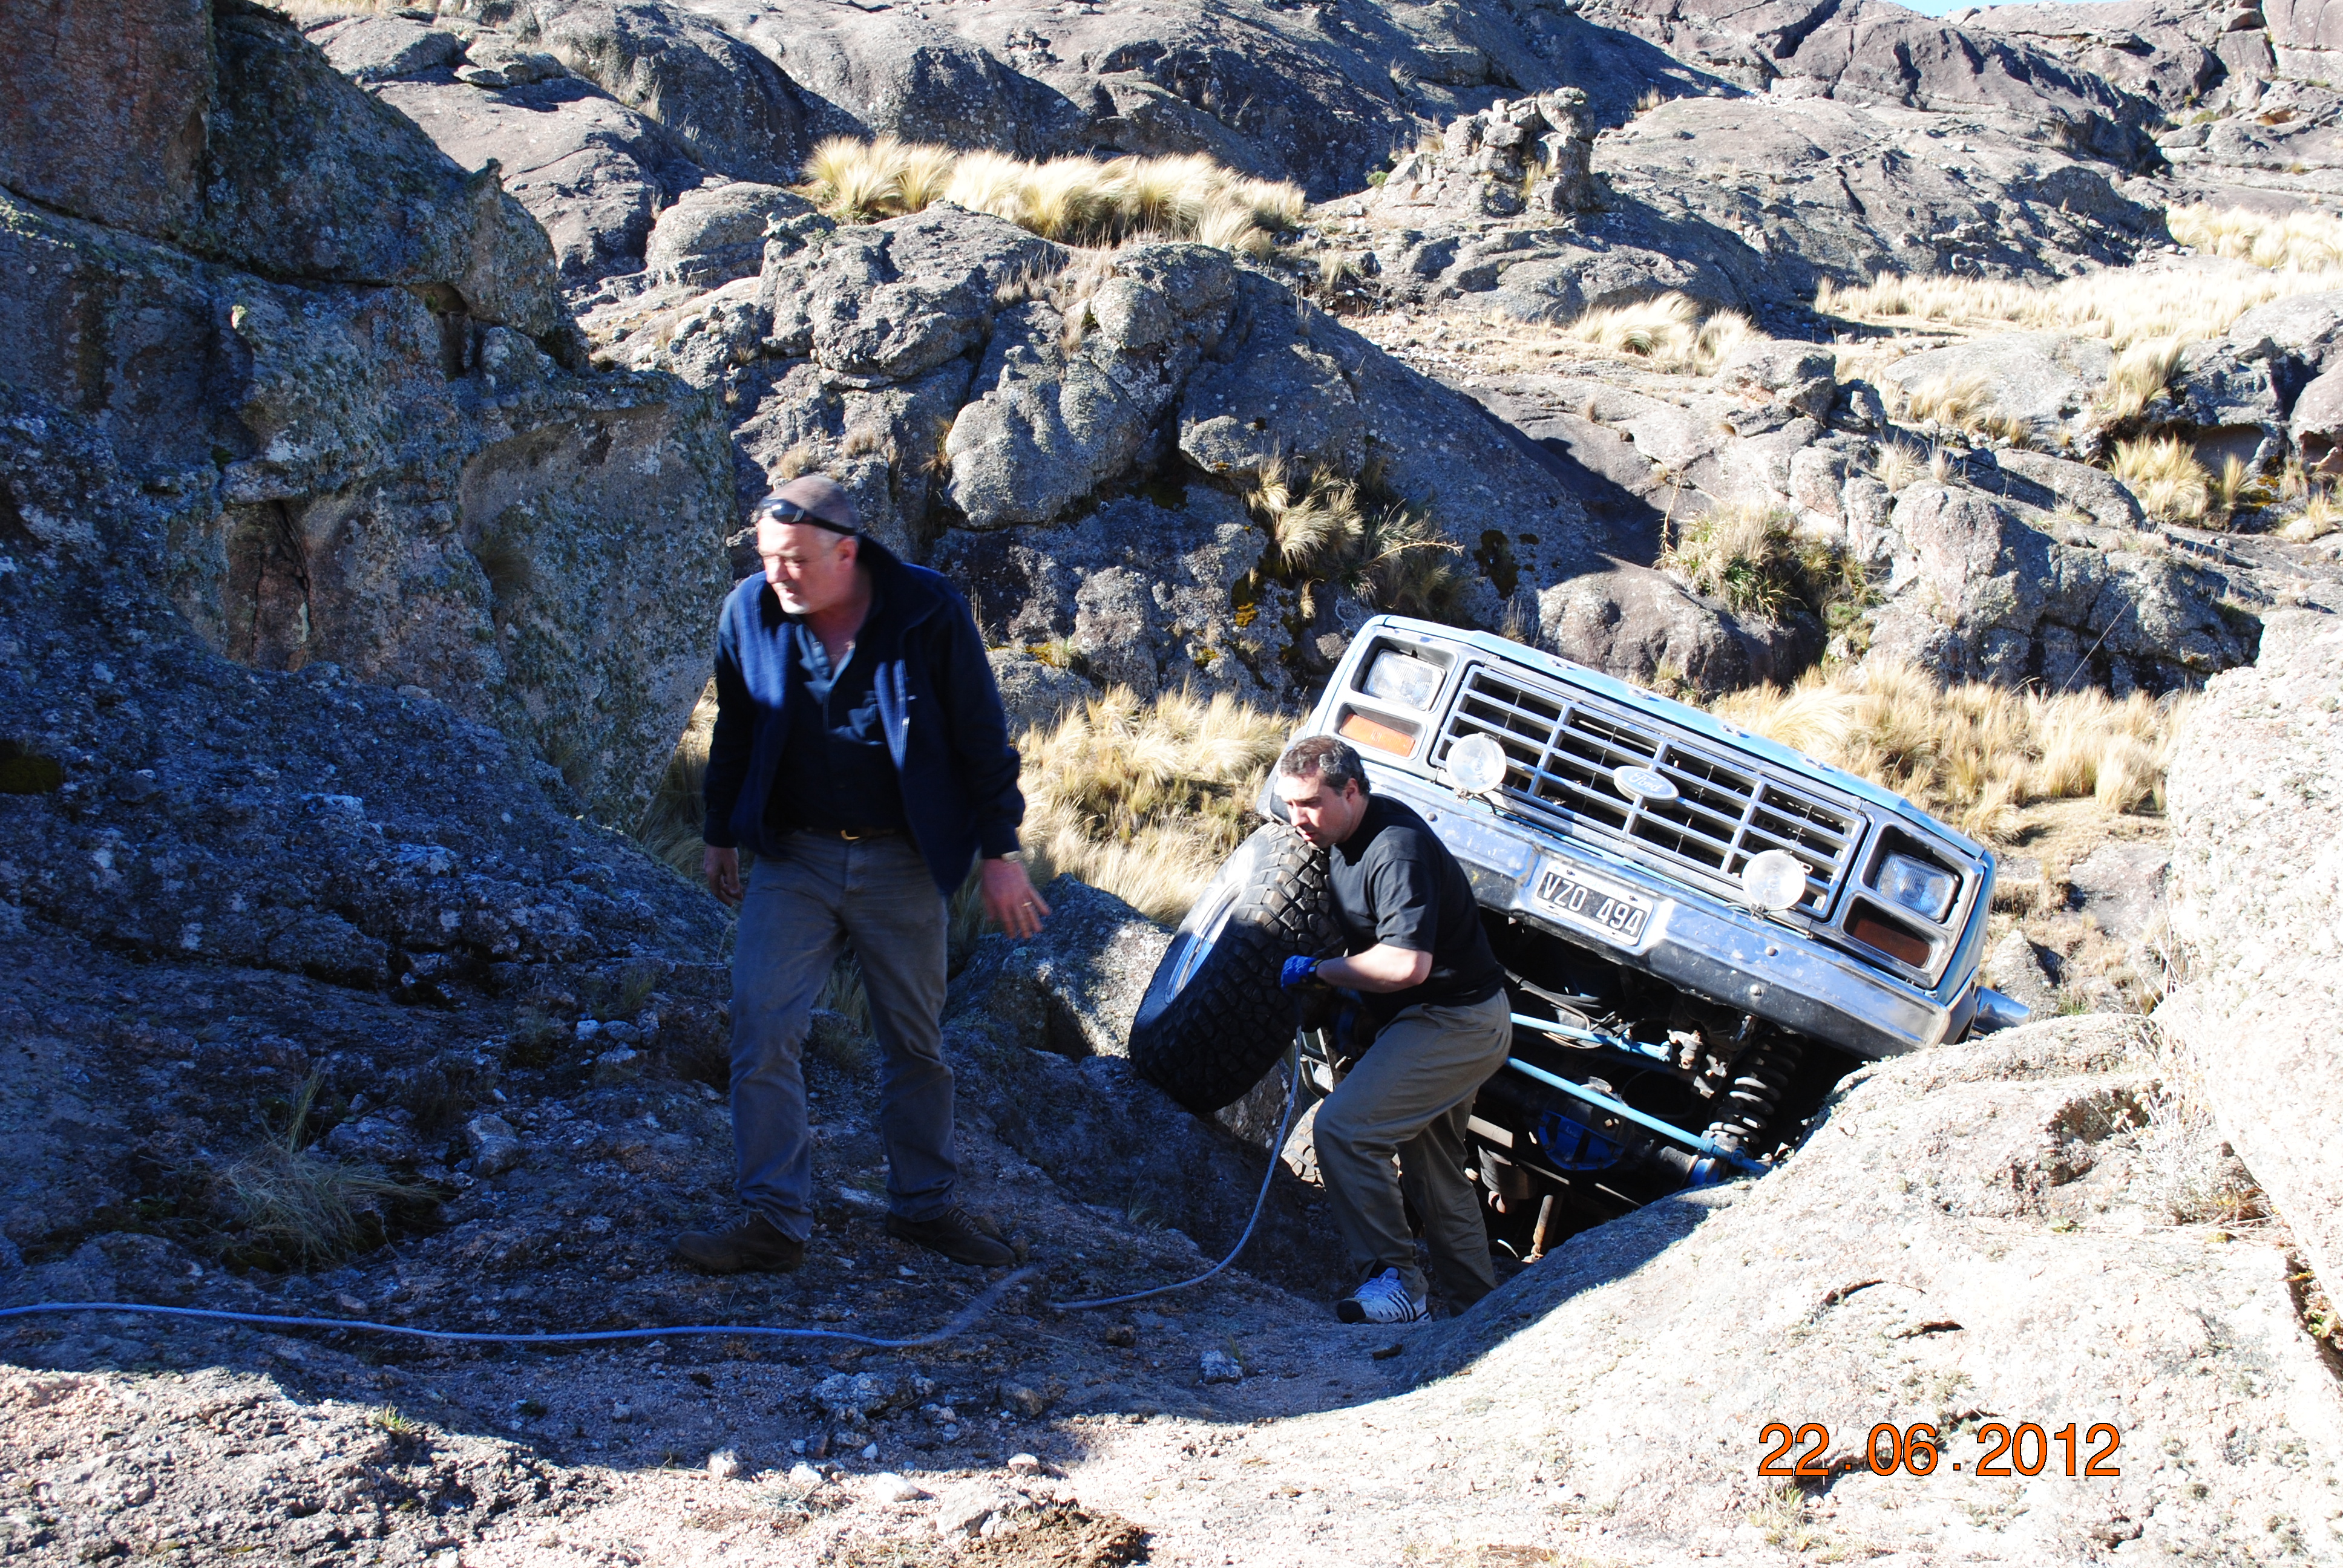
column 860, row 750
column 1422, row 964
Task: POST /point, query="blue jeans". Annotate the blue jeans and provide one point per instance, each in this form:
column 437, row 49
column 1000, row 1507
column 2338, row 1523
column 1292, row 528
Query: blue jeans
column 821, row 893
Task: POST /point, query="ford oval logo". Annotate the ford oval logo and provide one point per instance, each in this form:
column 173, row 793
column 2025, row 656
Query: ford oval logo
column 1644, row 784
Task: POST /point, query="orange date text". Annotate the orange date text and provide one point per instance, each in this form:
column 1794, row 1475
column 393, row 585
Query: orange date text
column 1804, row 1452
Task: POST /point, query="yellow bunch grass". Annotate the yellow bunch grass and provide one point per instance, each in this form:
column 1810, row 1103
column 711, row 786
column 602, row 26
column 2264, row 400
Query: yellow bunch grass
column 1310, row 522
column 1078, row 200
column 2162, row 472
column 2139, row 376
column 2300, row 241
column 1899, row 466
column 1668, row 330
column 1972, row 754
column 2123, row 307
column 1962, row 403
column 1741, row 554
column 2320, row 518
column 1146, row 799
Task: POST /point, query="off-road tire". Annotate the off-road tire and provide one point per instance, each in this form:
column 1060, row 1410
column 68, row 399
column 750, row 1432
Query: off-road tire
column 1209, row 1038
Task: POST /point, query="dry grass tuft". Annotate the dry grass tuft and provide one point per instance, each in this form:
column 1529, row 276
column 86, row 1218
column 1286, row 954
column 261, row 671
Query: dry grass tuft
column 1748, row 554
column 298, row 1210
column 672, row 819
column 1899, row 466
column 2185, row 1171
column 2123, row 307
column 1739, row 554
column 2300, row 241
column 1965, row 403
column 1972, row 754
column 1145, row 799
column 2318, row 518
column 1668, row 331
column 1324, row 529
column 1079, row 201
column 2139, row 376
column 2163, row 473
column 1311, row 522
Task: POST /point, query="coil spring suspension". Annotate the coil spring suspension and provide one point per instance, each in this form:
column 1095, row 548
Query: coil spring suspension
column 1758, row 1079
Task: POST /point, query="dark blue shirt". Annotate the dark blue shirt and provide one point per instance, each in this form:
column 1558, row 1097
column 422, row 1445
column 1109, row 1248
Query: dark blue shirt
column 939, row 712
column 836, row 772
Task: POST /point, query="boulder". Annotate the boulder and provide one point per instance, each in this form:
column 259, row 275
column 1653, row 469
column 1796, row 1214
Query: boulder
column 105, row 114
column 1137, row 593
column 1973, row 1225
column 492, row 1146
column 716, row 233
column 2043, row 379
column 1524, row 155
column 1975, row 592
column 393, row 477
column 1035, row 691
column 2170, row 52
column 1797, row 375
column 1068, row 395
column 965, row 379
column 370, row 49
column 307, row 177
column 2256, row 879
column 1641, row 625
column 592, row 171
column 1870, row 51
column 1752, row 203
column 737, row 112
column 2093, row 491
column 2317, row 425
column 2015, row 969
column 2308, row 35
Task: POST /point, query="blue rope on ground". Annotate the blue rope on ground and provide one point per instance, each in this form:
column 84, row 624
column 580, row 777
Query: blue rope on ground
column 959, row 1324
column 1292, row 1088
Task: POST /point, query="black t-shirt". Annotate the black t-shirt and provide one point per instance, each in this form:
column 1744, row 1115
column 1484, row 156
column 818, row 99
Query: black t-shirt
column 1394, row 881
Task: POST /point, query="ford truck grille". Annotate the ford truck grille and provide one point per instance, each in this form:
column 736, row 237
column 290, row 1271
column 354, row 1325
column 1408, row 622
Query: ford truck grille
column 1564, row 751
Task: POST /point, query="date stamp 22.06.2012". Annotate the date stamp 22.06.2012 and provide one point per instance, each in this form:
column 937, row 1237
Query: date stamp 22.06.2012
column 1805, row 1452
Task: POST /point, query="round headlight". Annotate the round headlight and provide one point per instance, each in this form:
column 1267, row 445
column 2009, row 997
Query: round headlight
column 1774, row 879
column 1476, row 765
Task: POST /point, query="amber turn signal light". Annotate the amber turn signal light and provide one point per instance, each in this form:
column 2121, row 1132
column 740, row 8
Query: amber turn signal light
column 1366, row 731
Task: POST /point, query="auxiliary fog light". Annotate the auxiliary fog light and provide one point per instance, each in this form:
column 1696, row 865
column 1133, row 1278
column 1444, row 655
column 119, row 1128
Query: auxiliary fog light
column 1774, row 880
column 1476, row 765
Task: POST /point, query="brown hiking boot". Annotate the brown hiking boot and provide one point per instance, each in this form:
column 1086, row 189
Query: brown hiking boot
column 957, row 1235
column 755, row 1244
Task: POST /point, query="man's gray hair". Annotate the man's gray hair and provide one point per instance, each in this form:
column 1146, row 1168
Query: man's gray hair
column 1330, row 760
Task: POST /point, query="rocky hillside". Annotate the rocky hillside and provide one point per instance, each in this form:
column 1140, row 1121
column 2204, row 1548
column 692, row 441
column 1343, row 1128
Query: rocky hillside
column 382, row 388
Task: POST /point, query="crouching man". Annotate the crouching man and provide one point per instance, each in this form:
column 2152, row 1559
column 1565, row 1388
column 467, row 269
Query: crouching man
column 860, row 750
column 1419, row 958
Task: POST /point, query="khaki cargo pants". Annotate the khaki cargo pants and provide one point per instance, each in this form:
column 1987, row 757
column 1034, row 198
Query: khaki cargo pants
column 1407, row 1102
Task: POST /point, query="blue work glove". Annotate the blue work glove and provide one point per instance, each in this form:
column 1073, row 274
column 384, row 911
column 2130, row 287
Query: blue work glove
column 1299, row 971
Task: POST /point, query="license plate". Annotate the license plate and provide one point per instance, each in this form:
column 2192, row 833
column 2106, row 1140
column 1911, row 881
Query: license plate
column 1595, row 904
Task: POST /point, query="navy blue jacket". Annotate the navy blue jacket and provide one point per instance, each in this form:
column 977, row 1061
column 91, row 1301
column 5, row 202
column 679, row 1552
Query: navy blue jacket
column 942, row 714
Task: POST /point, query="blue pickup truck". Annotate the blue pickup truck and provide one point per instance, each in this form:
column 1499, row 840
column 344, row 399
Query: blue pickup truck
column 1703, row 930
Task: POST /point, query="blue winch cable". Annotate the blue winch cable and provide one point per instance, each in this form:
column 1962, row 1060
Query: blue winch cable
column 1293, row 1088
column 959, row 1324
